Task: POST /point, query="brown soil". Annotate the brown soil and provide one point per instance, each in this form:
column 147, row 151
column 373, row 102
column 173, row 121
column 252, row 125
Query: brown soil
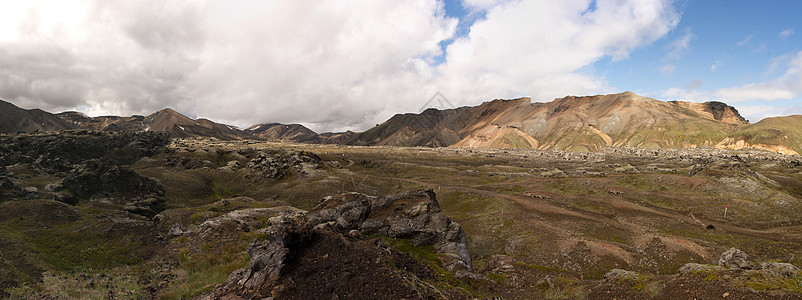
column 326, row 265
column 681, row 287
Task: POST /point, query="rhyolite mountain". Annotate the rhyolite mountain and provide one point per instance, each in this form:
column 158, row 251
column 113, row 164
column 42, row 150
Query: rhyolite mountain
column 569, row 123
column 14, row 119
column 779, row 134
column 586, row 123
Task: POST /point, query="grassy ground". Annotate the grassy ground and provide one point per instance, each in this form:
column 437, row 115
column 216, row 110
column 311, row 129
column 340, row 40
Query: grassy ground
column 568, row 225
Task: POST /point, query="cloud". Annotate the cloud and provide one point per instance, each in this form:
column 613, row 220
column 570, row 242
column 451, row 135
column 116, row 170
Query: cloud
column 537, row 48
column 667, row 69
column 482, row 4
column 688, row 93
column 332, row 65
column 745, row 41
column 761, row 99
column 785, row 34
column 694, row 85
column 757, row 112
column 681, row 45
column 786, row 86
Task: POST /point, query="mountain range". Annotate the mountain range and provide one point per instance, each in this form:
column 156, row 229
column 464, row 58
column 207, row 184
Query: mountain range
column 586, row 123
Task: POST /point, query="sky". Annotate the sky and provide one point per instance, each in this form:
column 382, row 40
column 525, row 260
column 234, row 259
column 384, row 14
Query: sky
column 336, row 65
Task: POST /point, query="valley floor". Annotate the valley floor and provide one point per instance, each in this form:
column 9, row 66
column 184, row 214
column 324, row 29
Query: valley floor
column 538, row 224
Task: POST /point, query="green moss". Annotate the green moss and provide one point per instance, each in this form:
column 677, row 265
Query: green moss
column 498, row 278
column 425, row 252
column 541, row 268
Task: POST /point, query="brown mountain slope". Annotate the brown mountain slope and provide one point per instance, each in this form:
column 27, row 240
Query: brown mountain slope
column 15, row 119
column 780, row 134
column 284, row 132
column 569, row 123
column 179, row 125
column 109, row 123
column 166, row 119
column 716, row 110
column 439, row 128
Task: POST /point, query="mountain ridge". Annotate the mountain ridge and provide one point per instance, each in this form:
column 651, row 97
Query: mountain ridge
column 576, row 123
column 15, row 119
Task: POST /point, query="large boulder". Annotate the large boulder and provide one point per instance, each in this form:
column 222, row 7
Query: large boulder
column 278, row 165
column 734, row 259
column 412, row 215
column 105, row 179
column 778, row 270
column 61, row 152
column 694, row 268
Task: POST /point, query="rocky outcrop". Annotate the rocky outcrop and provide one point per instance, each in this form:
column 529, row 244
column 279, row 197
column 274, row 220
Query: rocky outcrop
column 778, row 270
column 104, row 179
column 694, row 268
column 412, row 215
column 279, row 165
column 619, row 274
column 61, row 152
column 714, row 110
column 734, row 259
column 6, row 185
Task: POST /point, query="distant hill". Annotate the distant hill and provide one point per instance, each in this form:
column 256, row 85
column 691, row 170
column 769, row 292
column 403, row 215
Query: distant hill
column 779, row 134
column 569, row 123
column 166, row 119
column 284, row 132
column 586, row 123
column 108, row 123
column 179, row 125
column 14, row 119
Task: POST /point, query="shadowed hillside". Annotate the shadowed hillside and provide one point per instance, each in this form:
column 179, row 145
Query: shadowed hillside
column 15, row 119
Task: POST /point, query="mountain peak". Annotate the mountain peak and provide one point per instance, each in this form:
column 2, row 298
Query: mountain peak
column 16, row 119
column 168, row 110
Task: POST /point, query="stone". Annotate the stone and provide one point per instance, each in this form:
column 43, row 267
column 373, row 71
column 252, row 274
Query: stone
column 415, row 215
column 175, row 231
column 778, row 270
column 734, row 259
column 694, row 268
column 619, row 274
column 696, row 169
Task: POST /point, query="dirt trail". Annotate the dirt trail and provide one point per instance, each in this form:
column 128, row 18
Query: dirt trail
column 527, row 202
column 780, row 233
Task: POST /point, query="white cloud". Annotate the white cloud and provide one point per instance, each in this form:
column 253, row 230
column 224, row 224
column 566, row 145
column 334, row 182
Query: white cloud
column 785, row 34
column 745, row 41
column 537, row 47
column 783, row 87
column 752, row 91
column 685, row 94
column 757, row 112
column 681, row 45
column 667, row 69
column 481, row 4
column 758, row 99
column 333, row 65
column 694, row 85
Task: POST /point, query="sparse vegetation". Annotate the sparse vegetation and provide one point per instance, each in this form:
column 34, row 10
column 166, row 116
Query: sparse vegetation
column 572, row 226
